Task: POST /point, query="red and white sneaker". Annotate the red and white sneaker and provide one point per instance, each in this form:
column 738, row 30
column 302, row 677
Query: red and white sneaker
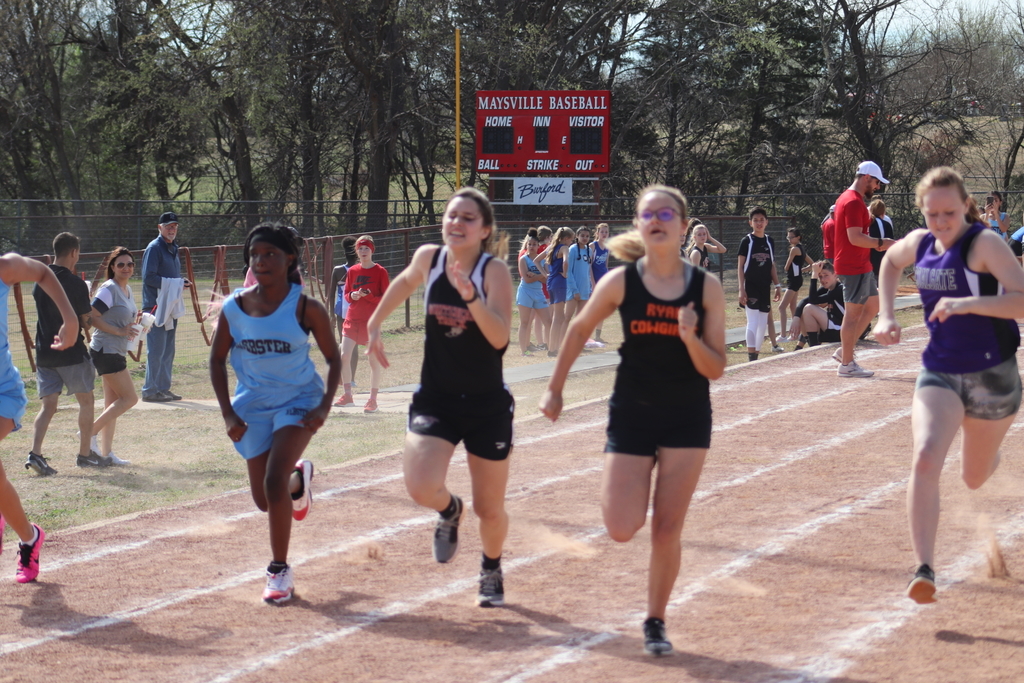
column 280, row 586
column 28, row 558
column 371, row 406
column 302, row 504
column 345, row 400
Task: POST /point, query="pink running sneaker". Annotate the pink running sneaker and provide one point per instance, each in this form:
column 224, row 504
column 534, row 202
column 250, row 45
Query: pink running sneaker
column 280, row 586
column 302, row 504
column 28, row 558
column 371, row 406
column 344, row 400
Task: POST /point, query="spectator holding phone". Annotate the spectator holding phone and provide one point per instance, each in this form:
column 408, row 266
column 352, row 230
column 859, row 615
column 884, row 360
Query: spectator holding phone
column 994, row 214
column 365, row 284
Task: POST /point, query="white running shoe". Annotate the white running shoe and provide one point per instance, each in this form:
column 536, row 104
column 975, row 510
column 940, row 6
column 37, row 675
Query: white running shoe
column 778, row 349
column 853, row 370
column 302, row 504
column 114, row 460
column 280, row 586
column 784, row 339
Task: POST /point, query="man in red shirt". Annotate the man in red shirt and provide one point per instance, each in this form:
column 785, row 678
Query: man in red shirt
column 852, row 247
column 828, row 231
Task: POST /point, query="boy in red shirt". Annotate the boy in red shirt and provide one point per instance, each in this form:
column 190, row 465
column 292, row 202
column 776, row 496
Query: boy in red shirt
column 364, row 286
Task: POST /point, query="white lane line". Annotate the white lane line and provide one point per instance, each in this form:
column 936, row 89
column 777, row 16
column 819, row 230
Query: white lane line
column 777, row 546
column 802, row 453
column 390, row 610
column 249, row 576
column 781, row 543
column 847, row 388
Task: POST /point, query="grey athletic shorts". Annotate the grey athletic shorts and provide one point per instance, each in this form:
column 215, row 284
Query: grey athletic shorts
column 991, row 394
column 79, row 379
column 857, row 289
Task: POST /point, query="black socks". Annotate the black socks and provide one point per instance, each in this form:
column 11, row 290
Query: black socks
column 277, row 567
column 490, row 565
column 813, row 338
column 452, row 508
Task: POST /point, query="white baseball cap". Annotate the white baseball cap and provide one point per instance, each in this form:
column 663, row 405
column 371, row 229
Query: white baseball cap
column 872, row 169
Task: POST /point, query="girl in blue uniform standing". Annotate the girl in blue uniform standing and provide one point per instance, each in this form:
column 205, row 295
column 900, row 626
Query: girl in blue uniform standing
column 530, row 295
column 600, row 265
column 15, row 268
column 462, row 395
column 673, row 319
column 558, row 266
column 579, row 280
column 972, row 288
column 280, row 400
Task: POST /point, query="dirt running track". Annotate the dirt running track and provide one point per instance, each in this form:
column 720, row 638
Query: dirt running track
column 795, row 559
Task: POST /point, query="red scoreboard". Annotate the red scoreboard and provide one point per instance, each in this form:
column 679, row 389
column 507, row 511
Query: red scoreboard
column 543, row 131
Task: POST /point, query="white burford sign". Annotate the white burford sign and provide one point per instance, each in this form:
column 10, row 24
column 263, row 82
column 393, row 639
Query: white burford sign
column 542, row 191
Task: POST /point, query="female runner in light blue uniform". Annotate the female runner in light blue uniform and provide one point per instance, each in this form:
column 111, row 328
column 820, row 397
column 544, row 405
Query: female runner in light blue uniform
column 280, row 400
column 15, row 268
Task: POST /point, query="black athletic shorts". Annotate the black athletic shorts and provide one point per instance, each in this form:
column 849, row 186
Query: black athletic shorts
column 990, row 394
column 794, row 282
column 641, row 430
column 759, row 295
column 482, row 422
column 108, row 363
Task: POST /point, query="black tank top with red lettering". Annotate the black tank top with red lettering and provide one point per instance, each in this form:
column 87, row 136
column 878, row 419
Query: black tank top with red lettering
column 656, row 369
column 457, row 359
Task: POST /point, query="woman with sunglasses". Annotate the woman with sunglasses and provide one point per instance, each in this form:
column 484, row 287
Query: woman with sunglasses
column 113, row 317
column 673, row 319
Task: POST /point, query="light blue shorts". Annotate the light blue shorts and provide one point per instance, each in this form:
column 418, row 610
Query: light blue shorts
column 13, row 399
column 531, row 298
column 264, row 421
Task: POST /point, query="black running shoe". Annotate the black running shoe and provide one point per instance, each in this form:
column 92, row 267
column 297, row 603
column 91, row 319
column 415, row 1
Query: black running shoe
column 446, row 534
column 922, row 587
column 655, row 641
column 492, row 588
column 38, row 463
column 93, row 460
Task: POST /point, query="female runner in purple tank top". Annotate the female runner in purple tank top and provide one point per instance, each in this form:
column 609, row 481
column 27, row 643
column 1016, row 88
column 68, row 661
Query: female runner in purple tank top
column 673, row 317
column 972, row 288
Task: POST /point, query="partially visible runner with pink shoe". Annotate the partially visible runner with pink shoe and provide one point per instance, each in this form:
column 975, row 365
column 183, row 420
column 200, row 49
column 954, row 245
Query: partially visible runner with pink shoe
column 15, row 268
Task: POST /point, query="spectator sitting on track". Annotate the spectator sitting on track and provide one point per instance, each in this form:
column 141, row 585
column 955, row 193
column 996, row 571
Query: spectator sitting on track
column 1016, row 240
column 280, row 400
column 555, row 261
column 15, row 268
column 114, row 315
column 530, row 297
column 365, row 284
column 341, row 304
column 70, row 368
column 812, row 322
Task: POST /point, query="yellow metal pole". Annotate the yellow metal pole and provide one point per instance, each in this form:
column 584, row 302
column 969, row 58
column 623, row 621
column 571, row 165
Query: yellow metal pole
column 458, row 110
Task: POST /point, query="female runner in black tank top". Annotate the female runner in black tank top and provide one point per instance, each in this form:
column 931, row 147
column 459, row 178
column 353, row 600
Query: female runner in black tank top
column 462, row 396
column 674, row 320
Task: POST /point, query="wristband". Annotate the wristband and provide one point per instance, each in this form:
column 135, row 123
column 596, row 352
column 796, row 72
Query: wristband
column 880, row 242
column 476, row 295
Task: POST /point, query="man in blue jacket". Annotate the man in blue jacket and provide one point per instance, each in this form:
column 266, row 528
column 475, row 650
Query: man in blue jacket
column 160, row 261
